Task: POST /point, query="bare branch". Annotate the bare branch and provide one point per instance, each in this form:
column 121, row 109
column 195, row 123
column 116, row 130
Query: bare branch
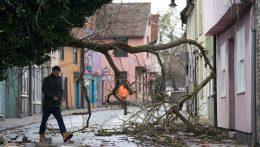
column 196, row 90
column 162, row 81
column 144, row 48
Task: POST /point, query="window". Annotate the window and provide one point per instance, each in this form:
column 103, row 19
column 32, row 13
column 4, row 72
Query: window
column 223, row 75
column 36, row 83
column 64, row 88
column 187, row 63
column 119, row 52
column 89, row 60
column 140, row 78
column 75, row 56
column 240, row 61
column 62, row 54
column 209, row 86
column 200, row 17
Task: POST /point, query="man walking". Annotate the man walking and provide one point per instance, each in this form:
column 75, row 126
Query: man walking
column 52, row 90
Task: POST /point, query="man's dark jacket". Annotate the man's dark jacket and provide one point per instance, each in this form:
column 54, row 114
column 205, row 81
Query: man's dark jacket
column 52, row 86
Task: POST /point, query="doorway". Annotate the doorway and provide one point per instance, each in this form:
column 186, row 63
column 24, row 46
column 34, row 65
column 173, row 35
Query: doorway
column 77, row 95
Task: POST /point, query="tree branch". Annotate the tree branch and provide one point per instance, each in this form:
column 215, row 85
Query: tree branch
column 162, row 81
column 196, row 90
column 117, row 77
column 137, row 49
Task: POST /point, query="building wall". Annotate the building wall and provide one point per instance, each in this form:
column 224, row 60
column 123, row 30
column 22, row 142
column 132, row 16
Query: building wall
column 206, row 101
column 197, row 70
column 191, row 76
column 37, row 75
column 257, row 28
column 21, row 93
column 2, row 100
column 95, row 89
column 128, row 64
column 155, row 30
column 68, row 70
column 13, row 94
column 243, row 100
column 221, row 9
column 149, row 60
column 201, row 38
column 95, row 81
column 99, row 63
column 152, row 32
column 208, row 93
column 215, row 10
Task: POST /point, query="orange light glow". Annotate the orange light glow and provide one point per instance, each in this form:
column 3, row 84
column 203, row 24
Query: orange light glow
column 122, row 92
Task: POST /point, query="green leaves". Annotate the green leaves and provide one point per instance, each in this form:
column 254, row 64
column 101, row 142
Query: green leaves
column 29, row 28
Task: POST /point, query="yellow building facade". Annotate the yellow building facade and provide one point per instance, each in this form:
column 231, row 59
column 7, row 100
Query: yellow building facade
column 68, row 58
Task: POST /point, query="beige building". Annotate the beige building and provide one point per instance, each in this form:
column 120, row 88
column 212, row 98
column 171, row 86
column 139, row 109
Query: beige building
column 68, row 58
column 192, row 16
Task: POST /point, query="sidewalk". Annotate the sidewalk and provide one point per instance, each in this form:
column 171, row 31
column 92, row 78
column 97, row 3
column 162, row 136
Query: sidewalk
column 11, row 123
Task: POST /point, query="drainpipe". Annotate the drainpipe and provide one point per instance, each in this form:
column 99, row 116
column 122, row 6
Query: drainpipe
column 253, row 98
column 215, row 83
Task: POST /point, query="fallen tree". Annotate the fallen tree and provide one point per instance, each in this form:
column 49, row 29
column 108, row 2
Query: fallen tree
column 172, row 110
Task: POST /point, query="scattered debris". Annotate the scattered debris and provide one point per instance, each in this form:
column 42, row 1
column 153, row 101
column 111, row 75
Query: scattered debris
column 3, row 140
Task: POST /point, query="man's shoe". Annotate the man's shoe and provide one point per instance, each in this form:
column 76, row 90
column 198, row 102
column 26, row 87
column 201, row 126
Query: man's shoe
column 67, row 136
column 42, row 137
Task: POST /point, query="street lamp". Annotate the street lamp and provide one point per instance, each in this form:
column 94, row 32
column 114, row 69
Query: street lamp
column 172, row 4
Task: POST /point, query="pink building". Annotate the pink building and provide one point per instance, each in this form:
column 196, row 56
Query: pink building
column 230, row 22
column 129, row 23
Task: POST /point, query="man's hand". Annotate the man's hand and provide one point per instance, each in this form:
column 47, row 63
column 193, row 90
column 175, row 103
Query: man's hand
column 55, row 98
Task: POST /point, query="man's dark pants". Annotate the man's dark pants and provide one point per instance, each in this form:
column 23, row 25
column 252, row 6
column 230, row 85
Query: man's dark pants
column 56, row 112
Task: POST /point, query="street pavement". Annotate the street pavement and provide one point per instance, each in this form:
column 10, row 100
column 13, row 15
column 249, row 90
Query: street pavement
column 26, row 130
column 11, row 123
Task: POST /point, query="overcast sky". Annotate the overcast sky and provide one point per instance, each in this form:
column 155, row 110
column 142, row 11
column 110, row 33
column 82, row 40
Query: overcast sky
column 158, row 6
